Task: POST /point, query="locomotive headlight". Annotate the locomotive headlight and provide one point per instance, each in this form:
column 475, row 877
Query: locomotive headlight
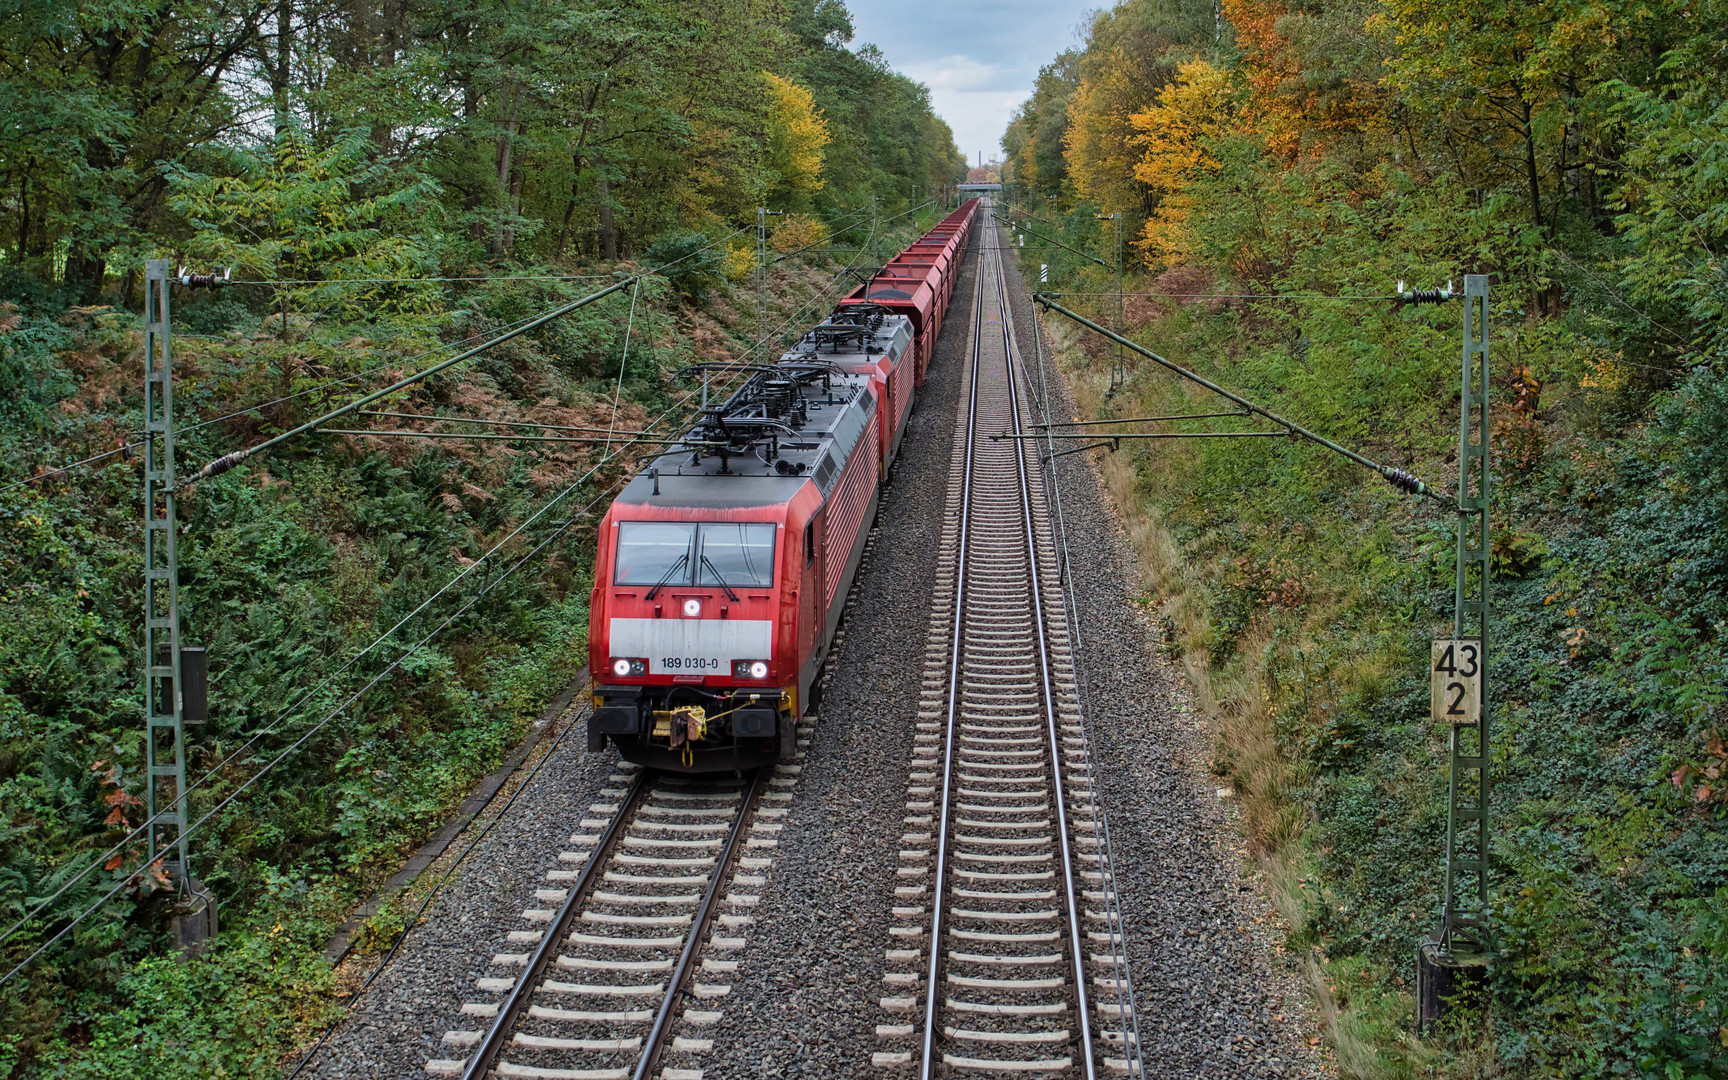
column 625, row 666
column 692, row 608
column 749, row 669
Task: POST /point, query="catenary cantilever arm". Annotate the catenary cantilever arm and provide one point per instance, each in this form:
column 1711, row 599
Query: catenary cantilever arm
column 1398, row 478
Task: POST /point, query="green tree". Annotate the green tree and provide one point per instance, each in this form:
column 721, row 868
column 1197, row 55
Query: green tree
column 311, row 214
column 100, row 94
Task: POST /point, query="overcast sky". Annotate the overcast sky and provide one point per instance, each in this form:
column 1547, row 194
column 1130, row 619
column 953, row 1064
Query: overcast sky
column 979, row 57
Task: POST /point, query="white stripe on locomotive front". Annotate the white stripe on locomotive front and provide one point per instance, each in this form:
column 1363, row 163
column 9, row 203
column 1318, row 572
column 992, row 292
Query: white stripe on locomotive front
column 715, row 643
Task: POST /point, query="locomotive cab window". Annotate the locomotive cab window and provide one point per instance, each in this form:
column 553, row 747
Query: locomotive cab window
column 650, row 552
column 682, row 553
column 736, row 553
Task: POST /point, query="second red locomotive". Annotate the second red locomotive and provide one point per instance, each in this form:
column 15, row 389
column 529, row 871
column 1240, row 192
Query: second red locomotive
column 721, row 571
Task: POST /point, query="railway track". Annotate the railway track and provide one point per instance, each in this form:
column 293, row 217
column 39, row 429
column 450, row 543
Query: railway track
column 626, row 970
column 1018, row 965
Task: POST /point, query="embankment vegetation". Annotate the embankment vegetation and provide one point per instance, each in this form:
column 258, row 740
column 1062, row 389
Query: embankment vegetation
column 1272, row 159
column 398, row 182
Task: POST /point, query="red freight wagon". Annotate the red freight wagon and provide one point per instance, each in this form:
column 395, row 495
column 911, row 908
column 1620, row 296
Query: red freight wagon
column 919, row 282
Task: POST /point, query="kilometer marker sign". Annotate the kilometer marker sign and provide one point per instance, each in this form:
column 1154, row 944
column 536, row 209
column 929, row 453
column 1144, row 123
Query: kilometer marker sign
column 1456, row 681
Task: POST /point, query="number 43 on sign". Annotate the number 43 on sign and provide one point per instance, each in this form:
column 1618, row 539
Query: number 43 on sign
column 1457, row 681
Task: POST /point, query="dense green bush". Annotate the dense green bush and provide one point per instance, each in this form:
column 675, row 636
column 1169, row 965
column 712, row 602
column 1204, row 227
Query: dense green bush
column 697, row 265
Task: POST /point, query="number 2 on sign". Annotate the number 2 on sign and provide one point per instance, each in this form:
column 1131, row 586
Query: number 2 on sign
column 1456, row 672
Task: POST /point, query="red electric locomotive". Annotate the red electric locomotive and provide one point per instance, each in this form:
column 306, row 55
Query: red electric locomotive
column 721, row 571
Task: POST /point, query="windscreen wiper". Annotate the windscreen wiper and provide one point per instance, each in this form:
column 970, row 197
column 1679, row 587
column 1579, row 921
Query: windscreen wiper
column 715, row 570
column 667, row 576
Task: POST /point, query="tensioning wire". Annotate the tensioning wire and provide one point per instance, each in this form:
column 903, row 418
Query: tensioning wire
column 618, row 394
column 506, row 328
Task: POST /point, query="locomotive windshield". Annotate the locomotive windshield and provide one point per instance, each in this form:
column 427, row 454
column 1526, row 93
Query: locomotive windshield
column 736, row 553
column 681, row 553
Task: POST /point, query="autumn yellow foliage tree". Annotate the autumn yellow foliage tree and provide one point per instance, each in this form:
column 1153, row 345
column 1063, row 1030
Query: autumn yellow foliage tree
column 795, row 232
column 797, row 134
column 1269, row 67
column 1305, row 92
column 1100, row 145
column 1172, row 134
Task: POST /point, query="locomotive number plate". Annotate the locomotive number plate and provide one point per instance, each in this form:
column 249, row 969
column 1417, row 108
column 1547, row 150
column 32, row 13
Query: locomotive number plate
column 690, row 663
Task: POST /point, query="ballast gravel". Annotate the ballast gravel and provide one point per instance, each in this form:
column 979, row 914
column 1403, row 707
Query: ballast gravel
column 808, row 1001
column 1214, row 997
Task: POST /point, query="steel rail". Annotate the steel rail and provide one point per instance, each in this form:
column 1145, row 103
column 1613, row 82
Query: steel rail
column 485, row 1052
column 1128, row 1017
column 698, row 927
column 1077, row 951
column 991, row 278
column 927, row 1060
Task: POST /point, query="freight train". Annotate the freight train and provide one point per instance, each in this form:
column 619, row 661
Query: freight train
column 722, row 568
